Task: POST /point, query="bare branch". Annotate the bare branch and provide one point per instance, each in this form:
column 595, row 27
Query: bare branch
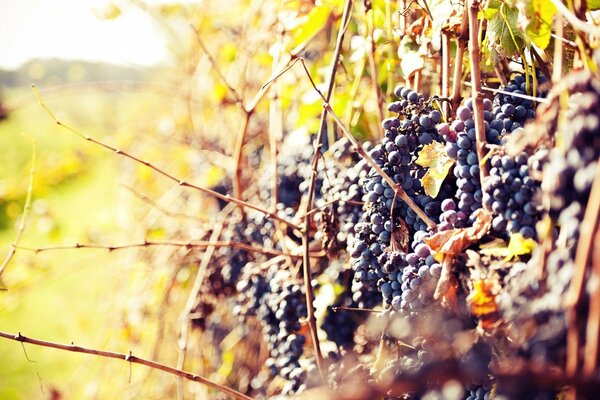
column 238, row 99
column 128, row 358
column 162, row 172
column 176, row 243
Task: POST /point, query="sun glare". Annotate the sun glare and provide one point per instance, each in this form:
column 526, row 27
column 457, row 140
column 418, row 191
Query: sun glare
column 78, row 30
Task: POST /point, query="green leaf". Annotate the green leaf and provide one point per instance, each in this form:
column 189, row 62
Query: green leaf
column 539, row 13
column 593, row 5
column 503, row 34
column 434, row 157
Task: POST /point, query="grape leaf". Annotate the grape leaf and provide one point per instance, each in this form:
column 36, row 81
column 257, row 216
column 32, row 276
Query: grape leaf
column 434, row 157
column 503, row 34
column 539, row 13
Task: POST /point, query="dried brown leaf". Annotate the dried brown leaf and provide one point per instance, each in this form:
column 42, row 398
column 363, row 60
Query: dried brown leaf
column 400, row 238
column 447, row 244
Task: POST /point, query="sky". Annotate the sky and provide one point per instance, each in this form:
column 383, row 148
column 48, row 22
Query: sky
column 72, row 29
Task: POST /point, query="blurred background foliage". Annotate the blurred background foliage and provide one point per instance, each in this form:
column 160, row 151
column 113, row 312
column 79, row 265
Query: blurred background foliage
column 185, row 118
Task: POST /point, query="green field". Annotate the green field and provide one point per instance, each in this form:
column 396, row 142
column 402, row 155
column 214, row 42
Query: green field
column 65, row 295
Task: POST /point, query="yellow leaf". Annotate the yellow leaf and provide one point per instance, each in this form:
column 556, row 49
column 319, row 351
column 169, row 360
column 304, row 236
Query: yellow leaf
column 315, row 21
column 434, row 157
column 111, row 11
column 482, row 301
column 517, row 246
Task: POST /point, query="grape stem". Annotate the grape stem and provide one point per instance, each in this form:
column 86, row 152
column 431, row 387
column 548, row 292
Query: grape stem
column 128, row 358
column 476, row 92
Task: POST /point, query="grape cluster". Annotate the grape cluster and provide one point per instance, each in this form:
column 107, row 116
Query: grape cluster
column 405, row 136
column 281, row 309
column 410, row 278
column 251, row 288
column 342, row 195
column 479, row 393
column 257, row 230
column 293, row 171
column 511, row 111
column 461, row 146
column 512, row 195
column 568, row 172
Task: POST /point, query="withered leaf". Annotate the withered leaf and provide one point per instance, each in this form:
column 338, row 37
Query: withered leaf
column 447, row 244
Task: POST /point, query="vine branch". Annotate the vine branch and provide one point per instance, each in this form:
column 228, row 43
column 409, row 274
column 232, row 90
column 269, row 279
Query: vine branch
column 476, row 93
column 176, row 243
column 162, row 172
column 128, row 358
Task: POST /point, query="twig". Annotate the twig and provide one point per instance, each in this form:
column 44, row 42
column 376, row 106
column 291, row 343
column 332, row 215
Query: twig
column 275, row 132
column 476, row 93
column 162, row 172
column 574, row 21
column 566, row 41
column 541, row 64
column 215, row 66
column 176, row 243
column 463, row 39
column 166, row 211
column 327, row 204
column 585, row 242
column 558, row 49
column 128, row 358
column 26, row 208
column 342, row 308
column 311, row 319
